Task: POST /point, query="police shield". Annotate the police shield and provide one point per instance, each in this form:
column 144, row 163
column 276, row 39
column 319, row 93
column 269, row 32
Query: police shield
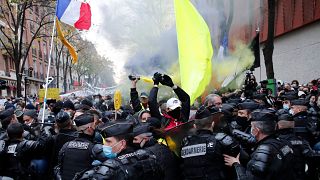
column 175, row 135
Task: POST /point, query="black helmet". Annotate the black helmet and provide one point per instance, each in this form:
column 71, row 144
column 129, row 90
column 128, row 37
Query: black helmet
column 62, row 117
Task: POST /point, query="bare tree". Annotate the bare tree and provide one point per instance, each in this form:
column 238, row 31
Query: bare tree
column 13, row 40
column 92, row 65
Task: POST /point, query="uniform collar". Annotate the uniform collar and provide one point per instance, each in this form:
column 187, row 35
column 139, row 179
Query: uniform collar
column 85, row 136
column 286, row 131
column 204, row 131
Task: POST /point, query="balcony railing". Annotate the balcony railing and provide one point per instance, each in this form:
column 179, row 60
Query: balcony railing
column 7, row 73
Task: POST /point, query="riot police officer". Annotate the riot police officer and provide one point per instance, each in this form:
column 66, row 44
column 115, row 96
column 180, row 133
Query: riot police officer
column 202, row 153
column 242, row 120
column 305, row 125
column 143, row 138
column 124, row 162
column 76, row 155
column 301, row 148
column 16, row 154
column 66, row 133
column 6, row 117
column 272, row 158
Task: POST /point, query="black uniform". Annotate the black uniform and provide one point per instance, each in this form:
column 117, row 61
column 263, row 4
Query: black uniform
column 202, row 155
column 133, row 165
column 301, row 149
column 16, row 156
column 64, row 135
column 272, row 159
column 166, row 158
column 305, row 126
column 75, row 156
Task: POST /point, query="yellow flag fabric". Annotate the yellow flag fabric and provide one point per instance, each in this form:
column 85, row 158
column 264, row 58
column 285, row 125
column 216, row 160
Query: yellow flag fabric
column 195, row 49
column 117, row 100
column 71, row 49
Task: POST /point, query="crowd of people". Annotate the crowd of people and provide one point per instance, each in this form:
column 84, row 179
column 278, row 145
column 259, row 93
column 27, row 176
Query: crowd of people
column 252, row 133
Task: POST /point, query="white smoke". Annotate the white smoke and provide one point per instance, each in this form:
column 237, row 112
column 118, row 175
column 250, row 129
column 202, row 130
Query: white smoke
column 139, row 36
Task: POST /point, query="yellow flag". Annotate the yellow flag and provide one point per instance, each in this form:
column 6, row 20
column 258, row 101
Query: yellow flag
column 195, row 49
column 71, row 49
column 117, row 100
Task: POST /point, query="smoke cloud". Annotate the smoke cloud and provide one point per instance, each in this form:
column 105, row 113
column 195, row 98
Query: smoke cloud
column 145, row 30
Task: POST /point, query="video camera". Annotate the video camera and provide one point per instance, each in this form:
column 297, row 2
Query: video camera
column 250, row 84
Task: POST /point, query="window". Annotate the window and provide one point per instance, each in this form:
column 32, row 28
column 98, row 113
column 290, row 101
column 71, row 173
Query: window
column 41, row 68
column 11, row 64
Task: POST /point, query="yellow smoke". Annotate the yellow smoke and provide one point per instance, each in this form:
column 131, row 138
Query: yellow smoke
column 231, row 67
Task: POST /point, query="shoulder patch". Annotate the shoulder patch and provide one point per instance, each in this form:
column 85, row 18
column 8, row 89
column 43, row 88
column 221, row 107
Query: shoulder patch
column 194, row 150
column 78, row 145
column 220, row 136
column 286, row 150
column 12, row 149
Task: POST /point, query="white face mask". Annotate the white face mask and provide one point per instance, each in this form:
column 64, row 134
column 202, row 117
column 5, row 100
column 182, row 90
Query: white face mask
column 291, row 112
column 96, row 100
column 251, row 131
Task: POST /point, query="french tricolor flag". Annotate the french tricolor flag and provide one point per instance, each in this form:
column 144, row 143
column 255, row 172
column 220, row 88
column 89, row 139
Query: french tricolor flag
column 76, row 13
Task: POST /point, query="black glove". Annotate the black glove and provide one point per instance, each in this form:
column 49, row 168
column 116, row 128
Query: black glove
column 167, row 81
column 156, row 78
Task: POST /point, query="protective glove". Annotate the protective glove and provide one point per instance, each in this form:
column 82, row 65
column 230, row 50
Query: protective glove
column 166, row 80
column 156, row 78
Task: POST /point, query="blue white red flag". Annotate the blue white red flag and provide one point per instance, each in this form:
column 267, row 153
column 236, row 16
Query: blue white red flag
column 76, row 13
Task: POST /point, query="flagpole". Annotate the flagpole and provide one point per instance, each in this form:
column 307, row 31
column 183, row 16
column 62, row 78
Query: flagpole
column 48, row 70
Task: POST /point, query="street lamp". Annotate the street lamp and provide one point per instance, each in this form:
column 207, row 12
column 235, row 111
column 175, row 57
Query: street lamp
column 25, row 89
column 29, row 74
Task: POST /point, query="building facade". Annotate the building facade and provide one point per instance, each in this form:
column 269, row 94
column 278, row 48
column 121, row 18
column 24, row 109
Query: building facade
column 36, row 65
column 297, row 40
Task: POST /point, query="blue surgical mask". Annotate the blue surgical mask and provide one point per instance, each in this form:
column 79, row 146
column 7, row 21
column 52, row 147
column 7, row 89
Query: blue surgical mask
column 107, row 150
column 286, row 106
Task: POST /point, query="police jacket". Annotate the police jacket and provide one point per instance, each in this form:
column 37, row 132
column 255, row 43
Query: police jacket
column 272, row 159
column 16, row 155
column 166, row 120
column 166, row 158
column 75, row 156
column 305, row 126
column 301, row 150
column 202, row 155
column 131, row 165
column 64, row 135
column 31, row 132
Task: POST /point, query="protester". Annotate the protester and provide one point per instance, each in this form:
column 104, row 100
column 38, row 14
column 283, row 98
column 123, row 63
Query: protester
column 177, row 110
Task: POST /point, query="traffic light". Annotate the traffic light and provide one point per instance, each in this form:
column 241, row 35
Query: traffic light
column 3, row 84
